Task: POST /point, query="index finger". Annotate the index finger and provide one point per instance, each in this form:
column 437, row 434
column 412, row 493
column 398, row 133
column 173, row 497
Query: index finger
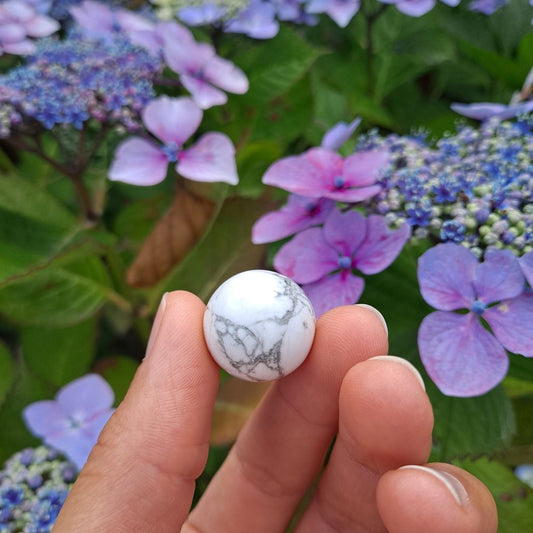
column 142, row 469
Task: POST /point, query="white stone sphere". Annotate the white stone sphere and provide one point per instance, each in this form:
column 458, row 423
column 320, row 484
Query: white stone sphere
column 259, row 325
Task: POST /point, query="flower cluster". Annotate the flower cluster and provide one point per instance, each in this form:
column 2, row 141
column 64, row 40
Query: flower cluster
column 34, row 484
column 74, row 80
column 324, row 258
column 72, row 422
column 259, row 19
column 19, row 22
column 474, row 187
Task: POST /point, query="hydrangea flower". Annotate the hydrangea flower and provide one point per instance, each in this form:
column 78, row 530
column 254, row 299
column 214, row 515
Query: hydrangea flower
column 257, row 20
column 207, row 13
column 74, row 80
column 460, row 355
column 485, row 110
column 320, row 173
column 341, row 11
column 18, row 21
column 172, row 121
column 72, row 422
column 525, row 474
column 202, row 72
column 417, row 8
column 296, row 215
column 34, row 483
column 526, row 262
column 323, row 259
column 487, row 7
column 336, row 136
column 97, row 20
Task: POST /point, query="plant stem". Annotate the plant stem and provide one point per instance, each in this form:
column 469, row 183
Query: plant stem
column 370, row 19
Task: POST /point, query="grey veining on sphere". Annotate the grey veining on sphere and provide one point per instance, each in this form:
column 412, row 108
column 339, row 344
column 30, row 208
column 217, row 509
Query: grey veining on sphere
column 259, row 325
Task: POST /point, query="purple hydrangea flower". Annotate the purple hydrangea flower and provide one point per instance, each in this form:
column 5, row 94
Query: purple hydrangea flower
column 323, row 259
column 526, row 262
column 207, row 13
column 460, row 355
column 486, row 110
column 320, row 173
column 172, row 121
column 336, row 136
column 203, row 73
column 487, row 7
column 18, row 22
column 298, row 214
column 417, row 8
column 72, row 422
column 257, row 20
column 341, row 11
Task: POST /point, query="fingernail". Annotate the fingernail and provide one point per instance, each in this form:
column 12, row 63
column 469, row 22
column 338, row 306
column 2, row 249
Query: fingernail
column 450, row 482
column 157, row 323
column 378, row 314
column 401, row 361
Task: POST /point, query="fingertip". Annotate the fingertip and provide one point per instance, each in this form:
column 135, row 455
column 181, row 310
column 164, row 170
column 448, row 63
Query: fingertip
column 438, row 497
column 386, row 413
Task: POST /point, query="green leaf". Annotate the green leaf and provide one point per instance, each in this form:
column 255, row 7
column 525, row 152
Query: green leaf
column 468, row 426
column 513, row 498
column 225, row 250
column 57, row 297
column 500, row 67
column 252, row 162
column 34, row 227
column 6, row 371
column 118, row 372
column 59, row 355
column 275, row 66
column 27, row 388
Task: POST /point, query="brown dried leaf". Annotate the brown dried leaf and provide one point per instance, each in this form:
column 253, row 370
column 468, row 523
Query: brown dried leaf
column 236, row 400
column 171, row 239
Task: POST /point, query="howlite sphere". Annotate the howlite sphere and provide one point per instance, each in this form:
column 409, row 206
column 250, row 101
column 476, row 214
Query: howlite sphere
column 259, row 325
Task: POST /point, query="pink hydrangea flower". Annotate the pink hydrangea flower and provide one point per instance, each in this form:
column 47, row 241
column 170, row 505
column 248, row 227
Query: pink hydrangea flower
column 172, row 121
column 324, row 259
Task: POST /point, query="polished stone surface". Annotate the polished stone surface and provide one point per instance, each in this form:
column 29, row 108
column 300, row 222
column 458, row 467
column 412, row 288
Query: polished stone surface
column 259, row 325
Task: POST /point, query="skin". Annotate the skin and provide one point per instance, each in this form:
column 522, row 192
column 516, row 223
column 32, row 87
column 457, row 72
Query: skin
column 140, row 476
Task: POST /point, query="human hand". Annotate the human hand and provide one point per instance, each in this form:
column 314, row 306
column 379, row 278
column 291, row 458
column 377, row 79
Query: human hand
column 140, row 476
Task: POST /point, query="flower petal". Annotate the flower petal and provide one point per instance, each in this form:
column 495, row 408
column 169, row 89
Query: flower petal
column 226, row 75
column 446, row 274
column 212, row 158
column 526, row 263
column 41, row 26
column 74, row 444
column 86, row 396
column 172, row 120
column 130, row 21
column 415, row 8
column 11, row 33
column 94, row 427
column 345, row 231
column 204, row 94
column 364, row 168
column 22, row 48
column 353, row 194
column 512, row 323
column 381, row 245
column 187, row 57
column 499, row 277
column 298, row 174
column 335, row 137
column 93, row 16
column 342, row 288
column 44, row 418
column 138, row 162
column 298, row 214
column 460, row 356
column 307, row 257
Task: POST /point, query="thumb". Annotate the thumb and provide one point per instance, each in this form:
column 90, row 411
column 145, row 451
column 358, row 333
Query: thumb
column 142, row 469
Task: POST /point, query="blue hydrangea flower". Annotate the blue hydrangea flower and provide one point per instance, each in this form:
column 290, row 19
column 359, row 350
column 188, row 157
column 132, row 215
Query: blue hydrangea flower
column 460, row 355
column 34, row 484
column 72, row 422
